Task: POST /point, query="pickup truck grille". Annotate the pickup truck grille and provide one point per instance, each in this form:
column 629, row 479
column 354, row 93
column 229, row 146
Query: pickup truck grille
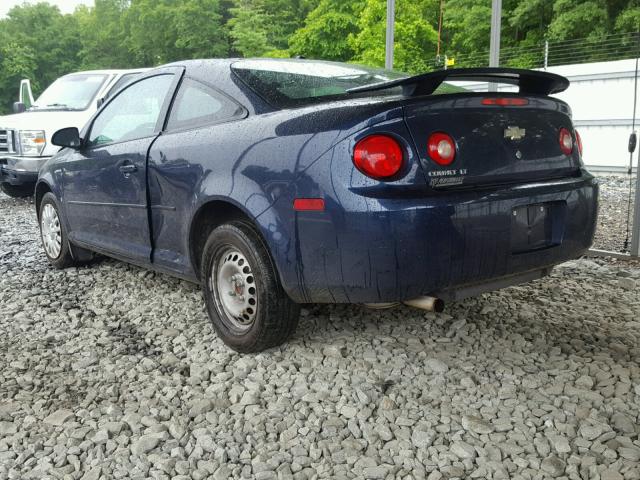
column 7, row 141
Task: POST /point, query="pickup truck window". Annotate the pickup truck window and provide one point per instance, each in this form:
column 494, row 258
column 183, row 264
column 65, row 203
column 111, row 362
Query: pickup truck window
column 132, row 114
column 72, row 92
column 196, row 104
column 121, row 82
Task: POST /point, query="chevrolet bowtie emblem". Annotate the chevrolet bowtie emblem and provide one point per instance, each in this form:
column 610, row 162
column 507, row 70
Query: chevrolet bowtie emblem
column 514, row 133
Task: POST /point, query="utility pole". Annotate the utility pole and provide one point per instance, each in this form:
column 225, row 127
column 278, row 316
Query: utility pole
column 440, row 28
column 391, row 17
column 635, row 233
column 494, row 46
column 494, row 49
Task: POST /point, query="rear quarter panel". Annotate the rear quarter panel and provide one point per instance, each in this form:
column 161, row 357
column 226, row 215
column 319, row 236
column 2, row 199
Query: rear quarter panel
column 248, row 162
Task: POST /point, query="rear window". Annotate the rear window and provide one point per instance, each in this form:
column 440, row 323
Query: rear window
column 291, row 83
column 286, row 83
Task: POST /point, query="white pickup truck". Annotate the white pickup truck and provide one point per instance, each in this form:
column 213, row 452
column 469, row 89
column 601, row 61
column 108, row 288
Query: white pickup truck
column 25, row 136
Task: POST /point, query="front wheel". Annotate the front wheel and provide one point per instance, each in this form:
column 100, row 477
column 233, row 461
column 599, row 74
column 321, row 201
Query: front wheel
column 246, row 303
column 17, row 191
column 53, row 234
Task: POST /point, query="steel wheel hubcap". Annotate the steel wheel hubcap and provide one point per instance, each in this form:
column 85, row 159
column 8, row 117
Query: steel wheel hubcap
column 51, row 232
column 235, row 288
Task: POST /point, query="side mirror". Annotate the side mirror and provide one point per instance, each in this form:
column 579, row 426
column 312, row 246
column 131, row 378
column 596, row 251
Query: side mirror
column 19, row 107
column 67, row 137
column 26, row 95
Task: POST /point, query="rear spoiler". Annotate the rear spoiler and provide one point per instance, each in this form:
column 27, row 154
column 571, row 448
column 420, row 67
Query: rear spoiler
column 530, row 81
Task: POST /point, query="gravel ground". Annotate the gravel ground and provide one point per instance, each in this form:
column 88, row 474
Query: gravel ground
column 612, row 221
column 113, row 372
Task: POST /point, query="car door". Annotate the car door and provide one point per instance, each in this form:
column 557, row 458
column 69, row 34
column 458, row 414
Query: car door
column 105, row 187
column 194, row 145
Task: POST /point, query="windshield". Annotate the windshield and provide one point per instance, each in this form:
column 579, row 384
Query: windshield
column 290, row 83
column 72, row 92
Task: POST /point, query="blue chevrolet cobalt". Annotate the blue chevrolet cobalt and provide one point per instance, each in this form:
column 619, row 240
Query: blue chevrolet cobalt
column 274, row 183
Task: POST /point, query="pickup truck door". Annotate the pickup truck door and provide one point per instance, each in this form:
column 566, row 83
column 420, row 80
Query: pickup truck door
column 105, row 185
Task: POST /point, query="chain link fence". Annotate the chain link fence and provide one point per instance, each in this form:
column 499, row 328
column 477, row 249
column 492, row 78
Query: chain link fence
column 547, row 54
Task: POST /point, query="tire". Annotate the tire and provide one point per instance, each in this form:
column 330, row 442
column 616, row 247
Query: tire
column 53, row 234
column 17, row 191
column 246, row 303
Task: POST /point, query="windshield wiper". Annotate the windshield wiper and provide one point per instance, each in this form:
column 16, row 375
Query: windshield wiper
column 61, row 105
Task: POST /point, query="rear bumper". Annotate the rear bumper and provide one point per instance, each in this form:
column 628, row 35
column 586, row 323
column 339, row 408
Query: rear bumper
column 384, row 250
column 20, row 170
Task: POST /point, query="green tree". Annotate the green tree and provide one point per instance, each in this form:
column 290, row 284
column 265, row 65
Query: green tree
column 628, row 20
column 248, row 29
column 161, row 31
column 467, row 25
column 285, row 17
column 415, row 35
column 263, row 27
column 327, row 29
column 44, row 45
column 104, row 35
column 16, row 62
column 528, row 21
column 578, row 19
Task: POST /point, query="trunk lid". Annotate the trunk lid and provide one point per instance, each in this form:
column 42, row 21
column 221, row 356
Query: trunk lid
column 495, row 144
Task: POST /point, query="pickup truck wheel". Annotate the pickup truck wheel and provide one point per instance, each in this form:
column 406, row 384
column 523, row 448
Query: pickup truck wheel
column 53, row 234
column 246, row 303
column 17, row 191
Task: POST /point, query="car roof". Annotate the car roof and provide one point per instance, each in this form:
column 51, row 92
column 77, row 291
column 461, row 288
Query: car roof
column 109, row 71
column 199, row 62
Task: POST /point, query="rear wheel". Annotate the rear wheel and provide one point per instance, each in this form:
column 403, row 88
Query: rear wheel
column 17, row 191
column 246, row 303
column 53, row 234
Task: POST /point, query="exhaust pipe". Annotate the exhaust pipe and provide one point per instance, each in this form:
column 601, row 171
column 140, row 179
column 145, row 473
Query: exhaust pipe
column 430, row 304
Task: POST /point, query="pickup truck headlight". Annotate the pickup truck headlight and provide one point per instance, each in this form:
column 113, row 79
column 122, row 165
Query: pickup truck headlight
column 32, row 142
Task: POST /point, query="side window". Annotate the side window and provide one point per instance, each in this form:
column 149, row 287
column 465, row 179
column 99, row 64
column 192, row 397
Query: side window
column 133, row 113
column 196, row 104
column 121, row 82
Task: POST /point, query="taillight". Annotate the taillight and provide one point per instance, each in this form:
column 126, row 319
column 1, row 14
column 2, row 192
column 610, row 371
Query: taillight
column 505, row 101
column 441, row 148
column 579, row 142
column 378, row 156
column 566, row 142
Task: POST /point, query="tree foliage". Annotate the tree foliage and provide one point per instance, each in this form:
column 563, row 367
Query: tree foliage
column 327, row 29
column 40, row 43
column 415, row 36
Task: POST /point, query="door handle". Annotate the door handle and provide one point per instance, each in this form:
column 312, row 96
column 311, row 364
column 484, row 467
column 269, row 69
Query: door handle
column 128, row 168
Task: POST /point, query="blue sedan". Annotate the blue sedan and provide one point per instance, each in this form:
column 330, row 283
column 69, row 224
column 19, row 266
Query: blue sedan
column 274, row 183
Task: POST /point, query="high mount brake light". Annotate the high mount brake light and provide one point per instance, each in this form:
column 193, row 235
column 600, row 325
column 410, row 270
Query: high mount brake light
column 441, row 148
column 505, row 101
column 378, row 156
column 566, row 141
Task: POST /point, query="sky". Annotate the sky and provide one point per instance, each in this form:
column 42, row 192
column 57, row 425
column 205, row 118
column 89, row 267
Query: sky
column 65, row 6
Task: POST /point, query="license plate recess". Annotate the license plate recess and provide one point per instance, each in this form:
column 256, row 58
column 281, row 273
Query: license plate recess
column 537, row 226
